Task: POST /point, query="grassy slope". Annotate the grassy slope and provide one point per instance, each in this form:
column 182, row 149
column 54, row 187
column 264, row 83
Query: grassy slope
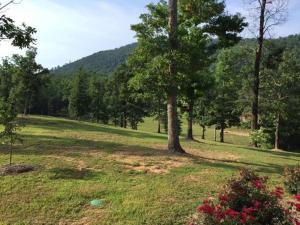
column 140, row 182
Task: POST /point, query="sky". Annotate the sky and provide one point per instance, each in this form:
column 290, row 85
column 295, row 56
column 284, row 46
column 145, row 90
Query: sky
column 69, row 30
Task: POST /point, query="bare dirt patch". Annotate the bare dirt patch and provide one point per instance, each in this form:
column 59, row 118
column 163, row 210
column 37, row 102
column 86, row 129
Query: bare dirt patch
column 213, row 155
column 161, row 161
column 156, row 159
column 15, row 169
column 79, row 164
column 238, row 133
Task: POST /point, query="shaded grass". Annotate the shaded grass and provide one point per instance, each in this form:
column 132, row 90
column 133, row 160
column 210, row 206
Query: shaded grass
column 77, row 161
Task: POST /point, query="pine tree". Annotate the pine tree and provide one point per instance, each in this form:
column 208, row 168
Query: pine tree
column 79, row 98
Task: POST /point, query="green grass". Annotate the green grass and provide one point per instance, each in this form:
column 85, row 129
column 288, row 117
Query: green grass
column 139, row 181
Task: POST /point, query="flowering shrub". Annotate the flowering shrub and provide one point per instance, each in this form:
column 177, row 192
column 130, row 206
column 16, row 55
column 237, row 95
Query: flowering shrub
column 292, row 179
column 248, row 201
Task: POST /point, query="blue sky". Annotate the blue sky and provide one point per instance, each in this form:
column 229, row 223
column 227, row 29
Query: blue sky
column 69, row 30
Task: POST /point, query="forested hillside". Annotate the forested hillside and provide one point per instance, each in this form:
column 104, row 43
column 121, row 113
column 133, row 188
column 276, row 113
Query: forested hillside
column 289, row 42
column 103, row 62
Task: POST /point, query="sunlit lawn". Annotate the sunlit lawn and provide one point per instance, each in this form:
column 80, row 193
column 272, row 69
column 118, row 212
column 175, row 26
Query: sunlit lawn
column 139, row 181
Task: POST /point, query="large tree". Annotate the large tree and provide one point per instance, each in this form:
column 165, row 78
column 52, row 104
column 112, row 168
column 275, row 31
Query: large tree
column 267, row 14
column 20, row 36
column 173, row 133
column 163, row 42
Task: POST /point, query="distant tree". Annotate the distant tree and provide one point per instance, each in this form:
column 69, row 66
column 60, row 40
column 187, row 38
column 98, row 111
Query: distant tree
column 267, row 14
column 79, row 98
column 146, row 80
column 98, row 106
column 26, row 79
column 121, row 94
column 198, row 83
column 6, row 72
column 127, row 103
column 21, row 36
column 280, row 92
column 137, row 109
column 58, row 92
column 225, row 112
column 203, row 107
column 8, row 116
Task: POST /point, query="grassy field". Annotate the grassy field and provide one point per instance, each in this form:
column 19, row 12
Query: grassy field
column 139, row 181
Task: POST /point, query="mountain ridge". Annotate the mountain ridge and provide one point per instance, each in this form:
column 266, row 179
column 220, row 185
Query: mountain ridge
column 105, row 62
column 102, row 62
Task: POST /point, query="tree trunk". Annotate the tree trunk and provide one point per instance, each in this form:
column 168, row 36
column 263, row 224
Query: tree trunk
column 125, row 120
column 10, row 155
column 158, row 126
column 159, row 119
column 215, row 132
column 122, row 120
column 115, row 120
column 256, row 81
column 203, row 131
column 173, row 136
column 25, row 107
column 222, row 133
column 189, row 135
column 277, row 133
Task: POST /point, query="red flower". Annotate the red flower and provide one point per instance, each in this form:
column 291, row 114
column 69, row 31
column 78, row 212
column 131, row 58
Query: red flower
column 278, row 193
column 252, row 218
column 267, row 204
column 232, row 213
column 297, row 205
column 224, row 198
column 244, row 218
column 279, row 188
column 258, row 184
column 290, row 203
column 257, row 204
column 297, row 222
column 206, row 208
column 219, row 215
column 248, row 210
column 296, row 197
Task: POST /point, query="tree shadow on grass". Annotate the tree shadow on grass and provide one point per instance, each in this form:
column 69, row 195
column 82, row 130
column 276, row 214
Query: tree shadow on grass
column 236, row 165
column 71, row 125
column 70, row 173
column 47, row 145
column 279, row 154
